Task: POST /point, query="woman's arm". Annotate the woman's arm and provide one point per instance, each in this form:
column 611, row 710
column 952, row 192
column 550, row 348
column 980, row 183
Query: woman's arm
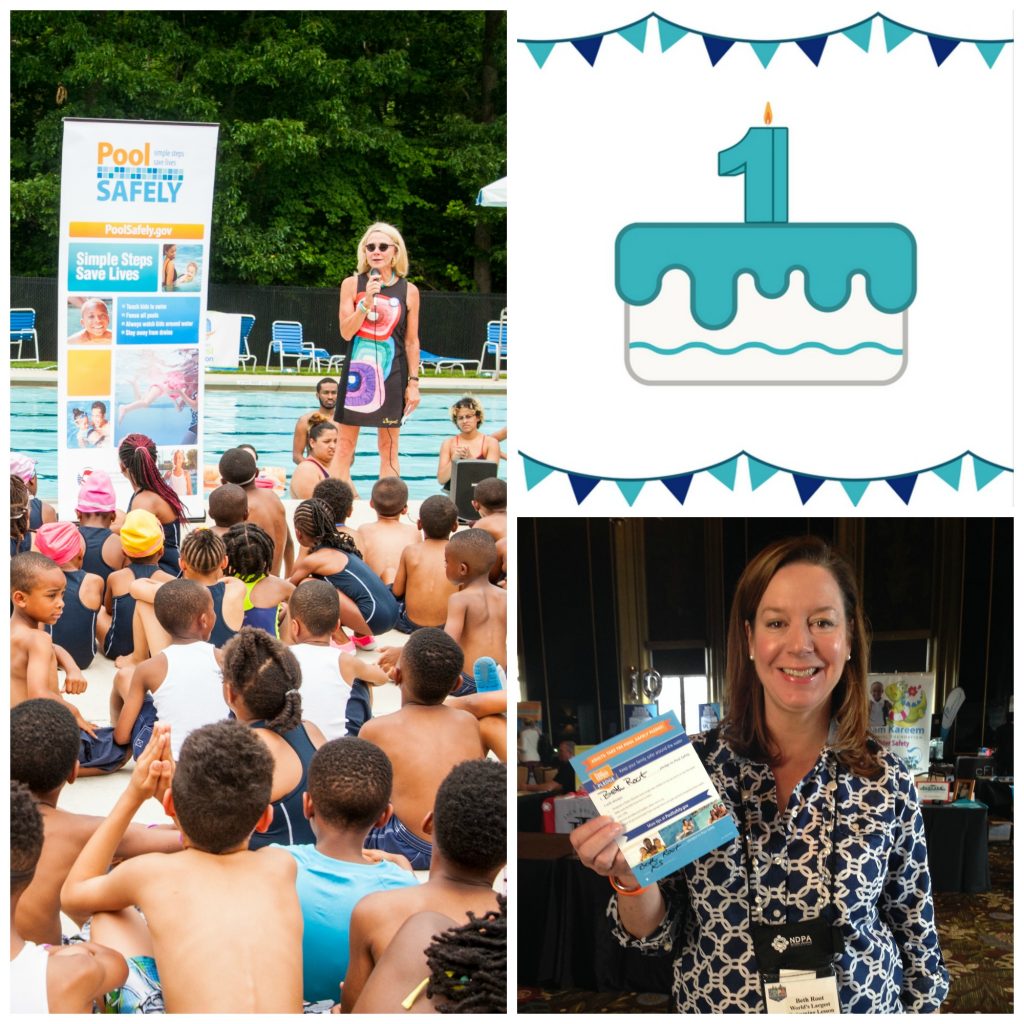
column 444, row 462
column 412, row 347
column 351, row 314
column 492, row 449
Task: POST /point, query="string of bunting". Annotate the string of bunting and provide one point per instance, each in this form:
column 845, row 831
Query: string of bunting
column 669, row 33
column 760, row 471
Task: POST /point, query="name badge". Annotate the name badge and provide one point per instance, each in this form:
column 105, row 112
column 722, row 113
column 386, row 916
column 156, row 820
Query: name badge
column 802, row 992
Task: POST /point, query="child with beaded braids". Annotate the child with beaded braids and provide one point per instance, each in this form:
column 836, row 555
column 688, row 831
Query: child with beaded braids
column 261, row 686
column 250, row 559
column 203, row 558
column 367, row 606
column 21, row 537
column 137, row 454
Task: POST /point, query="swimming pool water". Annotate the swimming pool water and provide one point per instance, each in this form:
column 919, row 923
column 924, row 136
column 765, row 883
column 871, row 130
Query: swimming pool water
column 266, row 420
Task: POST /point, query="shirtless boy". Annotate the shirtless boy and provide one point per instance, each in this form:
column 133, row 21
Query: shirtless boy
column 237, row 466
column 44, row 756
column 67, row 980
column 489, row 499
column 424, row 739
column 383, row 542
column 228, row 506
column 421, row 583
column 222, row 922
column 468, row 825
column 477, row 613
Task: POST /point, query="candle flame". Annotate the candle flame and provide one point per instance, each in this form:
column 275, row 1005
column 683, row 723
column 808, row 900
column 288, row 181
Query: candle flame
column 767, row 113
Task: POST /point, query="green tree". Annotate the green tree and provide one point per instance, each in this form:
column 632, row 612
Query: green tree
column 328, row 121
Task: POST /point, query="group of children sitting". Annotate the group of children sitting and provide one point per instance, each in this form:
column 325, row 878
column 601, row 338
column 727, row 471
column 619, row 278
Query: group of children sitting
column 248, row 709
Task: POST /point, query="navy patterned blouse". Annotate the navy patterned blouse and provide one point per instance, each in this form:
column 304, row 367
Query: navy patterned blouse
column 891, row 962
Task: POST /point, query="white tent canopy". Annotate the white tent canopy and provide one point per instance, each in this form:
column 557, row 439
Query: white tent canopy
column 495, row 194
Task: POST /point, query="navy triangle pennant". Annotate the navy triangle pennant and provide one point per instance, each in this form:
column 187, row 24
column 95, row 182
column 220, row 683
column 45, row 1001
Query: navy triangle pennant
column 717, row 48
column 582, row 485
column 813, row 47
column 942, row 47
column 903, row 486
column 679, row 486
column 806, row 486
column 588, row 48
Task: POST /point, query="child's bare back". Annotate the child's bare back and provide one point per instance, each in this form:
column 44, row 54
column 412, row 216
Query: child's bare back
column 382, row 544
column 33, row 663
column 422, row 581
column 424, row 743
column 477, row 621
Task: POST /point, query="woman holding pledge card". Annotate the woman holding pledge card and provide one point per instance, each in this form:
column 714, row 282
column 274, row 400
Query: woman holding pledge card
column 823, row 902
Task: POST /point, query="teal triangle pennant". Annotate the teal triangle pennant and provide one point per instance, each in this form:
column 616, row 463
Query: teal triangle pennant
column 765, row 52
column 985, row 472
column 949, row 472
column 630, row 489
column 725, row 472
column 540, row 51
column 759, row 472
column 669, row 34
column 861, row 35
column 894, row 34
column 990, row 51
column 535, row 472
column 635, row 35
column 855, row 489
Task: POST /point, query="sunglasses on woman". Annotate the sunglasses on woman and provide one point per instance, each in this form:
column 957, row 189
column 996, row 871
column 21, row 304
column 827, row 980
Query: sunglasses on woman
column 374, row 246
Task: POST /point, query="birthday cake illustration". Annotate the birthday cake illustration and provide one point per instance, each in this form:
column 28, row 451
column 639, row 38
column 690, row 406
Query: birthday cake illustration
column 765, row 301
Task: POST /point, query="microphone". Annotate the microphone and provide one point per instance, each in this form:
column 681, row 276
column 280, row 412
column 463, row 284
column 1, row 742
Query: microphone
column 372, row 315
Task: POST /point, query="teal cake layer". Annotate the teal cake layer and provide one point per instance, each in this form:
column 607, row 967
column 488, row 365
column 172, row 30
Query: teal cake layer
column 714, row 255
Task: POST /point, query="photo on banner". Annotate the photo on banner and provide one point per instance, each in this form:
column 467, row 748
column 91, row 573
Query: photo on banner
column 136, row 201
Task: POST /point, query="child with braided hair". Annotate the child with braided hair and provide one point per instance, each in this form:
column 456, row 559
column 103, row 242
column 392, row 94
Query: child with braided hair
column 203, row 558
column 250, row 559
column 261, row 686
column 138, row 458
column 338, row 494
column 367, row 606
column 21, row 537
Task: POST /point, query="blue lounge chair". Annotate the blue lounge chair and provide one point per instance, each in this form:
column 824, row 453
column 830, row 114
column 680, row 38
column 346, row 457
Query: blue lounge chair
column 23, row 328
column 496, row 343
column 439, row 363
column 286, row 341
column 244, row 355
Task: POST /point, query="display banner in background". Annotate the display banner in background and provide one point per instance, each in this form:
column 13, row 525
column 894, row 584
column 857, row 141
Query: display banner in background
column 900, row 709
column 135, row 208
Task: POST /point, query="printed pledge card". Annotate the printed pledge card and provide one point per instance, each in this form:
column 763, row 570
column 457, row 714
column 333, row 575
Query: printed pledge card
column 652, row 782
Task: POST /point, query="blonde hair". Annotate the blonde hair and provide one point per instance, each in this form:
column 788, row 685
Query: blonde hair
column 469, row 402
column 400, row 260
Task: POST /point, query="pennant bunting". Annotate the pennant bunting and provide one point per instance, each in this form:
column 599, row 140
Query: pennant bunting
column 679, row 486
column 860, row 34
column 942, row 47
column 990, row 51
column 903, row 486
column 759, row 472
column 855, row 489
column 806, row 486
column 765, row 52
column 894, row 34
column 717, row 48
column 670, row 34
column 725, row 472
column 635, row 35
column 535, row 472
column 588, row 48
column 813, row 48
column 985, row 472
column 582, row 486
column 540, row 51
column 949, row 472
column 630, row 489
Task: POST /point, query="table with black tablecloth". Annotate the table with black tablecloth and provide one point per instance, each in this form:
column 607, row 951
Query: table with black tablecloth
column 957, row 836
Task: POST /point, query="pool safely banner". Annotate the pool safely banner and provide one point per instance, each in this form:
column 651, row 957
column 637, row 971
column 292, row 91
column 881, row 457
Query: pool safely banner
column 135, row 210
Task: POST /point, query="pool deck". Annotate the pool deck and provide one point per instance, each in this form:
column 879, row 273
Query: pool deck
column 294, row 381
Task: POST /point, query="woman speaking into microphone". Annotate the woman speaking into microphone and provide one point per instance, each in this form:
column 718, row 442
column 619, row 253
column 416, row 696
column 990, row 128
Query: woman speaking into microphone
column 379, row 315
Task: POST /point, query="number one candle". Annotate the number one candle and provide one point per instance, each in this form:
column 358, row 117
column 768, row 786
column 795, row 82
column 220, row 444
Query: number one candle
column 762, row 156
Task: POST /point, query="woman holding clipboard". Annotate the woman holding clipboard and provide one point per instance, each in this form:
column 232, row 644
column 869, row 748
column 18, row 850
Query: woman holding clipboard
column 823, row 901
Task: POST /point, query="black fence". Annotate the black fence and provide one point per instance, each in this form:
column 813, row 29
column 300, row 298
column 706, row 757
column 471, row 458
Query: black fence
column 451, row 324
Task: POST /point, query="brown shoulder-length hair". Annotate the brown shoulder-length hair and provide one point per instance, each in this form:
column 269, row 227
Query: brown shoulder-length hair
column 744, row 722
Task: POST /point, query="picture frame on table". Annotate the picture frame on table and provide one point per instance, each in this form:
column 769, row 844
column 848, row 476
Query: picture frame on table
column 964, row 789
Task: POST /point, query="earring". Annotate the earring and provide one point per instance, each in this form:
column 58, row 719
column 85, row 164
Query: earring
column 849, row 656
column 751, row 657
